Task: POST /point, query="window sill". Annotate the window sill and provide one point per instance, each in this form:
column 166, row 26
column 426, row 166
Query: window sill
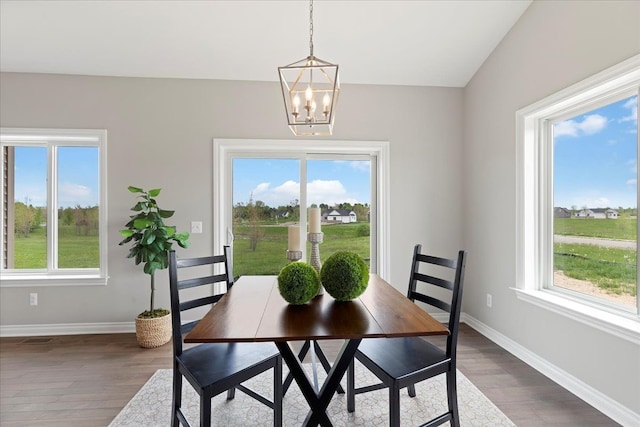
column 625, row 327
column 17, row 281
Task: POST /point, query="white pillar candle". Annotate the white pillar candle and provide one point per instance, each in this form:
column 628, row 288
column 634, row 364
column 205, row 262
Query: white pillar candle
column 314, row 220
column 294, row 238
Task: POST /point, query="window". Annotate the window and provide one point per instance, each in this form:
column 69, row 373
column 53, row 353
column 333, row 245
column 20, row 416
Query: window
column 53, row 207
column 577, row 188
column 262, row 187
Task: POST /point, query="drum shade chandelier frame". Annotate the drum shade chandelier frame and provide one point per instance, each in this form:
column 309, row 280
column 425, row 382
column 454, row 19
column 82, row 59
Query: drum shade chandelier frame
column 310, row 88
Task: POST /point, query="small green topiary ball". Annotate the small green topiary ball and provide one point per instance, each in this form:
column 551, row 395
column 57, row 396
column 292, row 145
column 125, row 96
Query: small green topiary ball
column 298, row 283
column 345, row 275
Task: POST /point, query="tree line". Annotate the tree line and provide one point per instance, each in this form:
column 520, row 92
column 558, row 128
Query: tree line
column 77, row 220
column 259, row 211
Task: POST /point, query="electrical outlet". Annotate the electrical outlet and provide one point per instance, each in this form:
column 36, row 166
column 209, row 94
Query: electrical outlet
column 33, row 298
column 489, row 300
column 196, row 227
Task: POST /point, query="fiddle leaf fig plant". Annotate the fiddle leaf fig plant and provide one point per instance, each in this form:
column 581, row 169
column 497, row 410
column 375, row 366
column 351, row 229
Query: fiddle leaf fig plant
column 152, row 239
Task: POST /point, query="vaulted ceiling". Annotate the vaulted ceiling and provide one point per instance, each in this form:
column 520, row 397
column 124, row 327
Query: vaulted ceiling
column 425, row 43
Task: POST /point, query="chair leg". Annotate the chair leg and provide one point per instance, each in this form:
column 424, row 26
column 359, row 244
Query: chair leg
column 351, row 385
column 394, row 406
column 411, row 390
column 277, row 393
column 452, row 397
column 205, row 410
column 177, row 397
column 231, row 393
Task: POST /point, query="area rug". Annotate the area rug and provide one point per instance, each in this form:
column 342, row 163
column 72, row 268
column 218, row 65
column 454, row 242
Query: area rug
column 151, row 406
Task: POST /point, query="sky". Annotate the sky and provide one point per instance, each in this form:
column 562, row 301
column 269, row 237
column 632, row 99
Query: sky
column 276, row 182
column 595, row 157
column 77, row 176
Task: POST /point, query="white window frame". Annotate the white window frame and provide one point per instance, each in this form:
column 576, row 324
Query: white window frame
column 224, row 150
column 534, row 186
column 51, row 138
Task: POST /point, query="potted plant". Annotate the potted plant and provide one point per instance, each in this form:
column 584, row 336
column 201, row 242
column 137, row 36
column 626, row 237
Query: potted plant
column 152, row 241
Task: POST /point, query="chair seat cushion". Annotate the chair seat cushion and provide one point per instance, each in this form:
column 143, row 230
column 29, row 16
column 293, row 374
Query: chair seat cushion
column 398, row 357
column 207, row 364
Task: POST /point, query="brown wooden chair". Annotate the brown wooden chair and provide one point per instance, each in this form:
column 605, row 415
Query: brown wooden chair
column 403, row 362
column 218, row 367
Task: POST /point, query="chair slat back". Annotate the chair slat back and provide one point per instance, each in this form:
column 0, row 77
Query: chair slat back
column 421, row 283
column 191, row 273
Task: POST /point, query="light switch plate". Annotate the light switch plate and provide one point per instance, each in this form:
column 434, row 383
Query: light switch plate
column 196, row 227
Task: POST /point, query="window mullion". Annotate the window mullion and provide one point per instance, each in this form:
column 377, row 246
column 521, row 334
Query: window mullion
column 303, row 204
column 52, row 220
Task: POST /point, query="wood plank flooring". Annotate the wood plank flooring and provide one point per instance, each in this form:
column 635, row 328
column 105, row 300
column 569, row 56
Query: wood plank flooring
column 85, row 380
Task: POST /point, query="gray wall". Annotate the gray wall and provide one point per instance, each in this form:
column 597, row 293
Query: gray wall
column 553, row 45
column 160, row 135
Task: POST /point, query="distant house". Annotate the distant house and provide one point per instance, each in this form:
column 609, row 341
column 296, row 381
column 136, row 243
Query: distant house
column 283, row 214
column 561, row 213
column 339, row 215
column 598, row 213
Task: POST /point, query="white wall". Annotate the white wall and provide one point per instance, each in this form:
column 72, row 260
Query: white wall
column 553, row 45
column 160, row 134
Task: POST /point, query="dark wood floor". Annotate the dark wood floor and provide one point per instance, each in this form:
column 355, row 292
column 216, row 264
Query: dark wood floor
column 85, row 380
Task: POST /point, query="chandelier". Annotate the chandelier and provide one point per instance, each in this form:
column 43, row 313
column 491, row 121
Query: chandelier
column 310, row 89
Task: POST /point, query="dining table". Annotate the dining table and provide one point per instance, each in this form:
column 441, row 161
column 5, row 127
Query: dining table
column 253, row 310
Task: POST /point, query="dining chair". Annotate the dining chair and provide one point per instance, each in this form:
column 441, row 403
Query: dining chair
column 403, row 362
column 214, row 368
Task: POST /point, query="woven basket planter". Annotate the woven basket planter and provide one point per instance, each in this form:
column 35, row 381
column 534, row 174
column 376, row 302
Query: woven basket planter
column 154, row 332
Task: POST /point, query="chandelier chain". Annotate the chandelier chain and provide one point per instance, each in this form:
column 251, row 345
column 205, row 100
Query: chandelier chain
column 311, row 27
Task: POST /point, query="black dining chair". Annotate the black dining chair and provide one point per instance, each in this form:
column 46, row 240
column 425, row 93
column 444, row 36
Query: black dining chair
column 403, row 362
column 214, row 368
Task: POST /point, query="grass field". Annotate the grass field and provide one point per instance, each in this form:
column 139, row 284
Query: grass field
column 270, row 254
column 73, row 251
column 612, row 269
column 621, row 228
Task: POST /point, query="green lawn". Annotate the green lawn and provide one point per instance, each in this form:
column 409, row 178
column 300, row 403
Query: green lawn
column 621, row 228
column 612, row 269
column 270, row 254
column 73, row 251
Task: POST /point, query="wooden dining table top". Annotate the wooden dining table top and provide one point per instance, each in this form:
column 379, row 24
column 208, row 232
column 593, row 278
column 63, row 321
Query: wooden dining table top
column 253, row 310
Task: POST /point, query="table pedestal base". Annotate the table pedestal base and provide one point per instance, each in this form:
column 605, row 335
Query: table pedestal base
column 318, row 402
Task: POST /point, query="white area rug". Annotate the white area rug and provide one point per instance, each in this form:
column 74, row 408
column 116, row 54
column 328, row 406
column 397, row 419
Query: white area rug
column 151, row 406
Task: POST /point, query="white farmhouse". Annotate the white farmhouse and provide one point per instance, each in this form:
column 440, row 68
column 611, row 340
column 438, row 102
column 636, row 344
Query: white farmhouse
column 339, row 215
column 598, row 213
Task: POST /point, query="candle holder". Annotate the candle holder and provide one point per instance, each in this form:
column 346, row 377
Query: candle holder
column 314, row 259
column 294, row 256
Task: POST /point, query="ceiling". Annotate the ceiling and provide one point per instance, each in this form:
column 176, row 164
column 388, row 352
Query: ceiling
column 423, row 43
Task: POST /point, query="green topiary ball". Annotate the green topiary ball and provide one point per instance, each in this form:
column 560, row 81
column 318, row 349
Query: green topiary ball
column 345, row 275
column 298, row 283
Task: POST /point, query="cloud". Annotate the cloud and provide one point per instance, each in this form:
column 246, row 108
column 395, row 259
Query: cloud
column 70, row 194
column 632, row 181
column 261, row 188
column 591, row 124
column 632, row 106
column 360, row 165
column 319, row 191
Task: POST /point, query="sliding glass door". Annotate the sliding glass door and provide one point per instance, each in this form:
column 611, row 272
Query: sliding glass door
column 263, row 190
column 267, row 195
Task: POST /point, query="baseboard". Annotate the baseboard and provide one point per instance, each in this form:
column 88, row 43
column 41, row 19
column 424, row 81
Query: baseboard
column 66, row 329
column 593, row 397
